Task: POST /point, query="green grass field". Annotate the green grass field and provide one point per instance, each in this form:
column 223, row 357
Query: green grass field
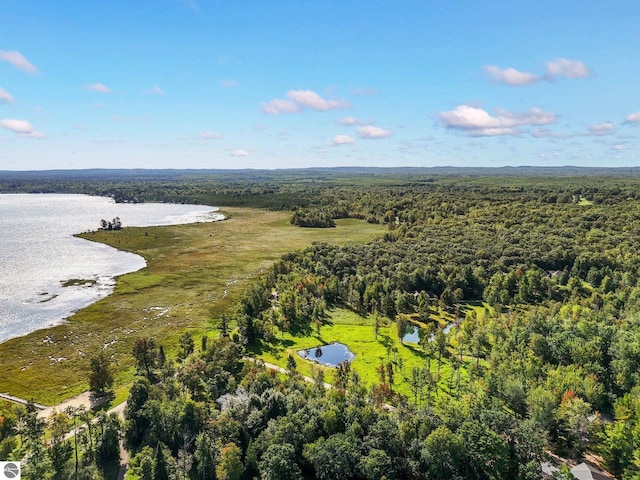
column 194, row 274
column 357, row 332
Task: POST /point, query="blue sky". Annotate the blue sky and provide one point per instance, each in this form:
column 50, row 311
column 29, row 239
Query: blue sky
column 256, row 84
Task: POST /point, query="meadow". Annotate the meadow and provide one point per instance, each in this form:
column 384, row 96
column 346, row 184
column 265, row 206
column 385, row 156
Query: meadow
column 358, row 333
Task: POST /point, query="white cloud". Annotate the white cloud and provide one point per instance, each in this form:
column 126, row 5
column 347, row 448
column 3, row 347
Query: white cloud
column 342, row 140
column 208, row 135
column 17, row 126
column 562, row 67
column 156, row 90
column 617, row 147
column 33, row 134
column 278, row 106
column 601, row 129
column 17, row 60
column 229, row 83
column 298, row 100
column 477, row 122
column 5, row 97
column 370, row 131
column 348, row 121
column 633, row 118
column 21, row 127
column 510, row 76
column 535, row 116
column 493, row 132
column 240, row 153
column 97, row 87
column 310, row 99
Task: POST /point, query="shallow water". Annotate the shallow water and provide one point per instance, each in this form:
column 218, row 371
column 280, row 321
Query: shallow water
column 412, row 335
column 330, row 355
column 38, row 254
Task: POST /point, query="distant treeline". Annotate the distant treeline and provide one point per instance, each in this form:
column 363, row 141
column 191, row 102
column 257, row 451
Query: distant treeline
column 336, row 190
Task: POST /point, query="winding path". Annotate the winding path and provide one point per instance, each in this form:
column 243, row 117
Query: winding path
column 21, row 401
column 271, row 366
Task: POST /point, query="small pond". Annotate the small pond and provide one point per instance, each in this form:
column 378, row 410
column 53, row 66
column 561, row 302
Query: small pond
column 413, row 333
column 330, row 355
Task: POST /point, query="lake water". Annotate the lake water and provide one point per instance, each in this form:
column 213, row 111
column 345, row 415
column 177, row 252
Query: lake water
column 38, row 253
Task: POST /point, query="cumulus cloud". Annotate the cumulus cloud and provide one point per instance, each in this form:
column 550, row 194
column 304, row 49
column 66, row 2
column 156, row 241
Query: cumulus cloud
column 208, row 135
column 370, row 131
column 21, row 127
column 342, row 140
column 310, row 99
column 298, row 100
column 97, row 87
column 476, row 122
column 562, row 67
column 17, row 126
column 5, row 97
column 601, row 129
column 633, row 118
column 240, row 153
column 278, row 106
column 349, row 121
column 17, row 60
column 510, row 76
column 229, row 83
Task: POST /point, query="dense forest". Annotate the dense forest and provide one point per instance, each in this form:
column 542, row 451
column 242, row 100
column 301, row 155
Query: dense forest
column 550, row 367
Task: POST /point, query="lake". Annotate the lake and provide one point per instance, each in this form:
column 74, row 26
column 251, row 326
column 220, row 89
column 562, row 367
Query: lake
column 39, row 254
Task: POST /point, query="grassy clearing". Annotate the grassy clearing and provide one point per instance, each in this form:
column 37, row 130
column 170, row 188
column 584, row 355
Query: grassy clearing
column 8, row 408
column 194, row 273
column 357, row 332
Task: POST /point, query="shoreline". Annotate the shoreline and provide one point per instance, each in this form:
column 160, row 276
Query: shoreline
column 60, row 294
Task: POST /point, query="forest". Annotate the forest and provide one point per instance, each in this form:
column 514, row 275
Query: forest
column 541, row 274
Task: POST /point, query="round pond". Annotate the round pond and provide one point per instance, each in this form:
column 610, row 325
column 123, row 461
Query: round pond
column 330, row 355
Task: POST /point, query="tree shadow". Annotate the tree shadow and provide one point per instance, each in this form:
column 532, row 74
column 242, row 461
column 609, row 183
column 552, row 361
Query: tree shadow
column 103, row 403
column 415, row 350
